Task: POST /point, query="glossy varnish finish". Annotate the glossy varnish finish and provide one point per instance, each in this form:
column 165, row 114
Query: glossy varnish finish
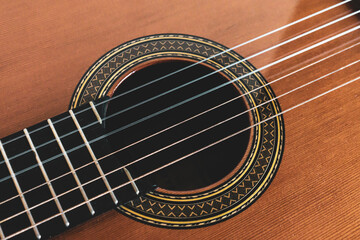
column 46, row 47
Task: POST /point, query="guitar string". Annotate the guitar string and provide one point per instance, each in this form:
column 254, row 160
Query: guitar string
column 213, row 126
column 194, row 64
column 188, row 83
column 184, row 139
column 187, row 155
column 188, row 119
column 189, row 99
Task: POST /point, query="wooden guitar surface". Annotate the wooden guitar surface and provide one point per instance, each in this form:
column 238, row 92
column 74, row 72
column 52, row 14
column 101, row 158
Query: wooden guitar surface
column 47, row 46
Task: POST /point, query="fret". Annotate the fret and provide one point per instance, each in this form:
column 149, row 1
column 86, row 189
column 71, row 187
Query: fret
column 18, row 188
column 10, row 201
column 61, row 178
column 66, row 222
column 56, row 167
column 79, row 158
column 93, row 157
column 95, row 112
column 132, row 182
column 90, row 207
column 2, row 236
column 124, row 172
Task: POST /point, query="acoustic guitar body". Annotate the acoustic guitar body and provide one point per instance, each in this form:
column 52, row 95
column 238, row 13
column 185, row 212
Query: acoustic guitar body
column 57, row 56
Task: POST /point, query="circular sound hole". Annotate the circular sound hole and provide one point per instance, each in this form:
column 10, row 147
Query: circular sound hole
column 196, row 169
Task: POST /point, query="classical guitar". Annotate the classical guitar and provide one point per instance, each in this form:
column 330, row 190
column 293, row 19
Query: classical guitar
column 179, row 120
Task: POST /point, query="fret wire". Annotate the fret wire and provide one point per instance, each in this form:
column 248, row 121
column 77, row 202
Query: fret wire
column 0, row 227
column 258, row 70
column 53, row 193
column 97, row 115
column 278, row 79
column 128, row 174
column 2, row 235
column 133, row 184
column 18, row 188
column 188, row 155
column 213, row 56
column 93, row 157
column 342, row 85
column 219, row 70
column 83, row 193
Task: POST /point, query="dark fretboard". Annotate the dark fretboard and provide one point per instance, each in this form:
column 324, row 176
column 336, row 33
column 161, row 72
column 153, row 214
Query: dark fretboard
column 44, row 186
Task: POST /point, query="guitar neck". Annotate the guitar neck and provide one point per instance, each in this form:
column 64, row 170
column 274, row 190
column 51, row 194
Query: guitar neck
column 51, row 177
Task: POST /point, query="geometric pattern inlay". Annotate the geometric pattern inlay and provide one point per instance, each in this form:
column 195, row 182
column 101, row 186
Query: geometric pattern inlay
column 249, row 182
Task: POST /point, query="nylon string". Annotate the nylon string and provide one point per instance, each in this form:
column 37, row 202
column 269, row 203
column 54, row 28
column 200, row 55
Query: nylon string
column 188, row 119
column 276, row 62
column 185, row 101
column 186, row 84
column 194, row 64
column 197, row 133
column 188, row 155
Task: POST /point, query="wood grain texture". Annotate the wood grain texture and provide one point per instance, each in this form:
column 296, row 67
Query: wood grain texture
column 46, row 46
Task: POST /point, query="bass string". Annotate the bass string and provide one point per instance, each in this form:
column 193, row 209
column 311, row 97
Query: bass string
column 197, row 133
column 229, row 101
column 193, row 117
column 191, row 66
column 188, row 100
column 188, row 155
column 199, row 62
column 186, row 84
column 202, row 77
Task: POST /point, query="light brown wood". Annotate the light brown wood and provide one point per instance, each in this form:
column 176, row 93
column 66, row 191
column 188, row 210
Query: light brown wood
column 46, row 46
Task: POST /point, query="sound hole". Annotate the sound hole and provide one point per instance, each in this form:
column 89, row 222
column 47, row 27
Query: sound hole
column 197, row 171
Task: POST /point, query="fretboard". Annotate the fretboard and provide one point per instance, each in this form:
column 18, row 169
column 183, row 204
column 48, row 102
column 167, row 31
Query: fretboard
column 51, row 177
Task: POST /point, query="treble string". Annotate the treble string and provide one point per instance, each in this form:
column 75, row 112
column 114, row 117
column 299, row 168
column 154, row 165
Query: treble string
column 185, row 156
column 164, row 166
column 188, row 83
column 190, row 99
column 193, row 117
column 194, row 64
column 186, row 138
